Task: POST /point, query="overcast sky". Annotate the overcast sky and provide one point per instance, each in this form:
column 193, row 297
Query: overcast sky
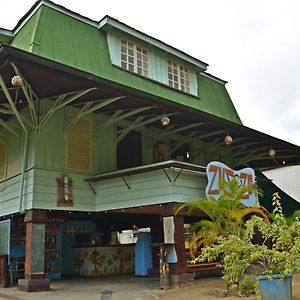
column 252, row 44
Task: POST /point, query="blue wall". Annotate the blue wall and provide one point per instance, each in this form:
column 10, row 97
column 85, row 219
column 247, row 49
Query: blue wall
column 68, row 242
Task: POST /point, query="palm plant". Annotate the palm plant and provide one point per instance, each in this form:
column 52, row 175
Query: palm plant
column 224, row 216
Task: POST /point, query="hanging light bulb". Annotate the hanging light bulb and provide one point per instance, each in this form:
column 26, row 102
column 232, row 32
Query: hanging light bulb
column 272, row 153
column 16, row 81
column 165, row 121
column 228, row 139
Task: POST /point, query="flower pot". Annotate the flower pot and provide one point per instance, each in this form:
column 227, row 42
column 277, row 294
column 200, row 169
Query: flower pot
column 275, row 288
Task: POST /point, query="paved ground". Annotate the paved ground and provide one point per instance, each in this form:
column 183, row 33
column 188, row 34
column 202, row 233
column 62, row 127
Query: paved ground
column 128, row 288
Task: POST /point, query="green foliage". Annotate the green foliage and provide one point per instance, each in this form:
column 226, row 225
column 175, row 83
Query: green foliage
column 278, row 253
column 225, row 215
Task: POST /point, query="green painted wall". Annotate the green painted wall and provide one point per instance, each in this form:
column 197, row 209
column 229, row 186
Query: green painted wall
column 216, row 98
column 10, row 194
column 148, row 188
column 47, row 161
column 44, row 192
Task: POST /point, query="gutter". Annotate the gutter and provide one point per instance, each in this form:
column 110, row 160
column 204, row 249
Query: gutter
column 24, row 165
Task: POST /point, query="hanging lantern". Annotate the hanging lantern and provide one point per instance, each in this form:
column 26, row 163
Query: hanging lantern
column 228, row 140
column 272, row 153
column 16, row 81
column 165, row 121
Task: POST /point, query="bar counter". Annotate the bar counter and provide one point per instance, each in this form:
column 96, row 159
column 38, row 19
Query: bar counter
column 93, row 260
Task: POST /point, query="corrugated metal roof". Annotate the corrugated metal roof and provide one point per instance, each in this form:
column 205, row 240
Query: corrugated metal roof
column 287, row 178
column 60, row 37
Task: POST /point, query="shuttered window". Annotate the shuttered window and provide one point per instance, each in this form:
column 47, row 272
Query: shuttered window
column 79, row 146
column 2, row 161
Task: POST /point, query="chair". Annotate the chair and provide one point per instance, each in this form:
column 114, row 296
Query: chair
column 16, row 268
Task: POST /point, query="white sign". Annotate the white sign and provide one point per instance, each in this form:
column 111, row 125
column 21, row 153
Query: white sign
column 216, row 171
column 169, row 230
column 5, row 237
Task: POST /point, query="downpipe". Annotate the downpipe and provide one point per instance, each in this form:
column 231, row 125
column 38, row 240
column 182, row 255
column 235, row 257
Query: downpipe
column 23, row 172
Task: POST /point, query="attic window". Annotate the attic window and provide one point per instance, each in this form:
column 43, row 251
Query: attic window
column 178, row 76
column 134, row 58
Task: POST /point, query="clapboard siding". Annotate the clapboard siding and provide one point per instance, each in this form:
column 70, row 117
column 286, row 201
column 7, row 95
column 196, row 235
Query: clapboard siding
column 145, row 189
column 10, row 194
column 148, row 188
column 45, row 197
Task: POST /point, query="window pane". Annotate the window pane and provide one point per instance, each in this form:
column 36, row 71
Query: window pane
column 123, row 57
column 133, row 57
column 130, row 52
column 131, row 68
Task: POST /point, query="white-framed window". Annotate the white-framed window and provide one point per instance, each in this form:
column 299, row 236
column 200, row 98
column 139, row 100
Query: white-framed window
column 178, row 76
column 134, row 58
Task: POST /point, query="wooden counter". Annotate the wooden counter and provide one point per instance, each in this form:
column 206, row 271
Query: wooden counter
column 105, row 260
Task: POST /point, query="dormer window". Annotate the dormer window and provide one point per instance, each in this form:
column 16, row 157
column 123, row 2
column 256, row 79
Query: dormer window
column 178, row 76
column 134, row 58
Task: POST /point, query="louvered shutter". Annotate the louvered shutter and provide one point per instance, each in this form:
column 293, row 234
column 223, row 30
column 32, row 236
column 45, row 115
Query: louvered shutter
column 79, row 146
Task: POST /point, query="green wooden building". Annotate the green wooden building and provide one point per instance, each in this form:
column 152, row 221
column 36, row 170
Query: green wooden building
column 105, row 128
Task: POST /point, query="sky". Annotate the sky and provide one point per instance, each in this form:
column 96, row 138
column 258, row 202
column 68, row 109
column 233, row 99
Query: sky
column 252, row 44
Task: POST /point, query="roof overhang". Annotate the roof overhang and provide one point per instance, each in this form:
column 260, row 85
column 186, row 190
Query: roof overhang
column 48, row 78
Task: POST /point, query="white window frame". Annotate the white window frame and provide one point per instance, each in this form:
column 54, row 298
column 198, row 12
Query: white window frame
column 134, row 58
column 178, row 76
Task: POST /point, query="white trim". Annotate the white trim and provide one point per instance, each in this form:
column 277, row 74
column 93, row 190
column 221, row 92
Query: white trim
column 6, row 32
column 107, row 22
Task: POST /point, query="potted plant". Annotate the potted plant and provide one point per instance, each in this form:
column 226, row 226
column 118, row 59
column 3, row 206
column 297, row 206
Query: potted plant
column 252, row 265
